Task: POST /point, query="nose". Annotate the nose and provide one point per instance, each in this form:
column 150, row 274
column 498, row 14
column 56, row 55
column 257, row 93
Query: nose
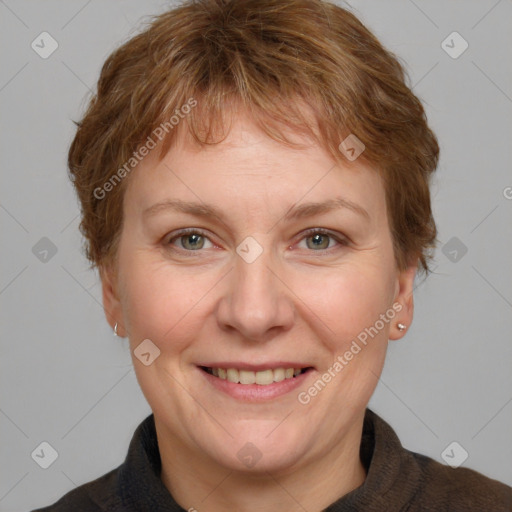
column 257, row 303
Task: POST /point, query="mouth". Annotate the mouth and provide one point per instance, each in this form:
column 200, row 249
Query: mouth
column 264, row 377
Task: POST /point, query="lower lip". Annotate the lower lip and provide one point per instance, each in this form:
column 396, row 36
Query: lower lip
column 256, row 392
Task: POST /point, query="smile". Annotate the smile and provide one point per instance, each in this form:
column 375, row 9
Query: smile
column 246, row 377
column 256, row 384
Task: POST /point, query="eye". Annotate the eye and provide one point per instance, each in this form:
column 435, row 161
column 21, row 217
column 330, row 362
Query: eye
column 319, row 239
column 190, row 240
column 193, row 240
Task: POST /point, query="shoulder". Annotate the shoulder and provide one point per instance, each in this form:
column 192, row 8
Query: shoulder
column 125, row 488
column 96, row 496
column 458, row 489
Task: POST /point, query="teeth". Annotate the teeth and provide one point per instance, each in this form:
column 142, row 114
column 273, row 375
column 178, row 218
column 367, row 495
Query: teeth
column 264, row 377
column 232, row 375
column 279, row 374
column 246, row 377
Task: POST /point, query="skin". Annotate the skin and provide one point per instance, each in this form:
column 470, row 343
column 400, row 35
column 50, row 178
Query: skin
column 295, row 302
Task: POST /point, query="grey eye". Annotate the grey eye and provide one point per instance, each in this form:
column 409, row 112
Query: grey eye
column 318, row 241
column 192, row 241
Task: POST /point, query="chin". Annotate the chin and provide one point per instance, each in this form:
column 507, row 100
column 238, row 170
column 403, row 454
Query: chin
column 254, row 450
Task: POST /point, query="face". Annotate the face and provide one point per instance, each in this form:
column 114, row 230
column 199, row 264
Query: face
column 259, row 262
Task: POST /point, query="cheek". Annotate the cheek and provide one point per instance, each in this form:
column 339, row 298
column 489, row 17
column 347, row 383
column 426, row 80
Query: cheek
column 347, row 300
column 163, row 302
column 352, row 305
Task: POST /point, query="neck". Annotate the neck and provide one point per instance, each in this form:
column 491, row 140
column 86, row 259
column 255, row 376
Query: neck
column 199, row 484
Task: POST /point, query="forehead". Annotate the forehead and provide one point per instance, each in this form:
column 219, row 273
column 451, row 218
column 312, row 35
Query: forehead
column 249, row 169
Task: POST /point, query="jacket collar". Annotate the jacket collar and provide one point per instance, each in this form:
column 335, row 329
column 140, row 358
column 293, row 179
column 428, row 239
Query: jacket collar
column 136, row 484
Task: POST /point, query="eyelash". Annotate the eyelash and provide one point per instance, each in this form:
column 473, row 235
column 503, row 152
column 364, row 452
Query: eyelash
column 342, row 241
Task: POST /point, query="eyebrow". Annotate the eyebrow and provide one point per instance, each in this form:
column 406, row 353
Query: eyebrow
column 295, row 212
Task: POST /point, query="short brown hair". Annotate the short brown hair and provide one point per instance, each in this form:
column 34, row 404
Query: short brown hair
column 269, row 56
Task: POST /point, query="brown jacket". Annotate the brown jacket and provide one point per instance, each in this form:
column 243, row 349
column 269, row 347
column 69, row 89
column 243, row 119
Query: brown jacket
column 397, row 480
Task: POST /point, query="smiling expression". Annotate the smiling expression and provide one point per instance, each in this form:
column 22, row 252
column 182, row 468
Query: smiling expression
column 252, row 266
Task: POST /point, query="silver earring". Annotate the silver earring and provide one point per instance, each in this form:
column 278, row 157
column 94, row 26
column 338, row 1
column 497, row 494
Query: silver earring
column 401, row 327
column 115, row 330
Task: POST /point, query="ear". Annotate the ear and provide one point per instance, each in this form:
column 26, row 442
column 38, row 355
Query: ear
column 404, row 301
column 111, row 303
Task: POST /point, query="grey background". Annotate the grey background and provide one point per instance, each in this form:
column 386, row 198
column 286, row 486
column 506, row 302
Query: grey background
column 66, row 380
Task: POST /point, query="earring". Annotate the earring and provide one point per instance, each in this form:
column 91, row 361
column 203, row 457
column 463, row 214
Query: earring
column 115, row 330
column 401, row 327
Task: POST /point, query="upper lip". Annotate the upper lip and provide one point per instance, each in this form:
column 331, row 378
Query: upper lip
column 255, row 367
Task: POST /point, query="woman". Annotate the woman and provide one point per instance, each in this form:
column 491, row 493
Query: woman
column 254, row 182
